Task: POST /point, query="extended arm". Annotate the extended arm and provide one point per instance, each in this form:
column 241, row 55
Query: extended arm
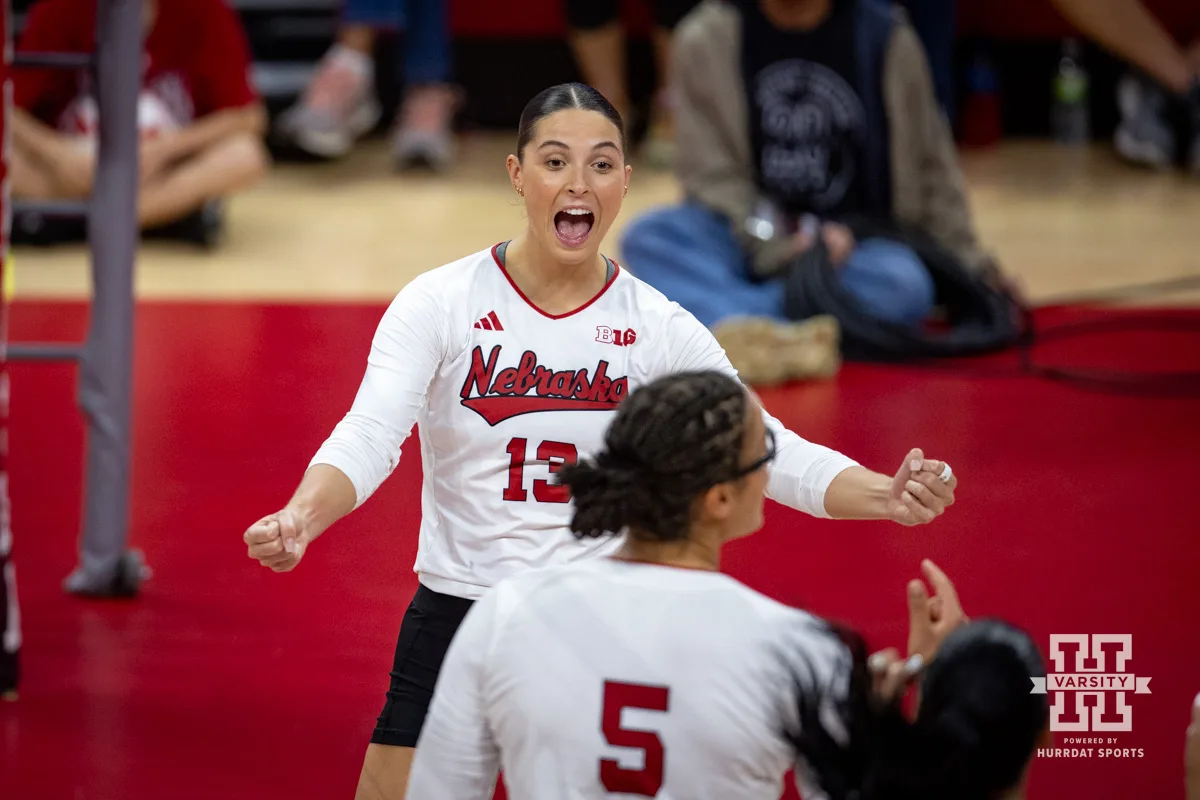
column 806, row 476
column 364, row 447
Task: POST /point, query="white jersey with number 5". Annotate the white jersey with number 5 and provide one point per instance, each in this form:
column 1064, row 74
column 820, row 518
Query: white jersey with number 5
column 613, row 679
column 503, row 394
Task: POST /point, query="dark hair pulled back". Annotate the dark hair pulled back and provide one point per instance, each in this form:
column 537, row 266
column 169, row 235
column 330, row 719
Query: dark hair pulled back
column 973, row 737
column 561, row 97
column 669, row 441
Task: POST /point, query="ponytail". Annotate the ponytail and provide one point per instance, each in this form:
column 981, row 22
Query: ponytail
column 605, row 492
column 669, row 441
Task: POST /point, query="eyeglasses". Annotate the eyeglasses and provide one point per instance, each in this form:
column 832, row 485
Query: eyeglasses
column 758, row 463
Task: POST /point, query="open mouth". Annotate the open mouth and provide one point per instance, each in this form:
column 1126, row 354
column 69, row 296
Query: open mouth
column 573, row 226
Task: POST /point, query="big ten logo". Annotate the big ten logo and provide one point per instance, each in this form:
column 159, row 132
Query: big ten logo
column 621, row 338
column 1090, row 683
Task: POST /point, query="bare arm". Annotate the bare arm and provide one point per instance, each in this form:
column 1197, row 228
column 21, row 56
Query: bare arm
column 324, row 496
column 859, row 493
column 213, row 128
column 33, row 136
column 1132, row 32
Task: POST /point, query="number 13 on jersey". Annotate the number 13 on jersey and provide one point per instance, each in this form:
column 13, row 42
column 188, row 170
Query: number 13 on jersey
column 647, row 781
column 555, row 454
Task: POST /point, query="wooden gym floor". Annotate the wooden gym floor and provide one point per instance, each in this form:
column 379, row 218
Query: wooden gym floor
column 1063, row 221
column 223, row 680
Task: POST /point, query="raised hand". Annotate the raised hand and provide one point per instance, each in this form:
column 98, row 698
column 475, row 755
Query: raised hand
column 931, row 618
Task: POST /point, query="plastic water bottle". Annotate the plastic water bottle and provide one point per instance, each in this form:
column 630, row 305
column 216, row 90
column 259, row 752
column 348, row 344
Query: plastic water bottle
column 1072, row 123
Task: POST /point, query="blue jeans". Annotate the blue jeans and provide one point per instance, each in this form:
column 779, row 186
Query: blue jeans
column 427, row 28
column 689, row 254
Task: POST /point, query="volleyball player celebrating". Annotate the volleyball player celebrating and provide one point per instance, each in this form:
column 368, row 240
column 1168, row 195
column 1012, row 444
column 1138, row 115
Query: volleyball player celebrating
column 651, row 674
column 510, row 361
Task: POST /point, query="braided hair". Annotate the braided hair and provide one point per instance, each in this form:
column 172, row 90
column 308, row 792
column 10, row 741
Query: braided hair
column 669, row 441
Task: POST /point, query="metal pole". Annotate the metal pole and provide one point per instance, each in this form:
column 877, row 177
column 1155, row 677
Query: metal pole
column 106, row 364
column 10, row 615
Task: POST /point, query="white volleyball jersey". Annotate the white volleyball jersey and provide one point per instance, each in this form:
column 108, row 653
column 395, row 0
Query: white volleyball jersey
column 503, row 394
column 617, row 679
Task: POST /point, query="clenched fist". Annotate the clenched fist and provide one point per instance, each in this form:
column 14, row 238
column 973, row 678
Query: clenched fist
column 277, row 540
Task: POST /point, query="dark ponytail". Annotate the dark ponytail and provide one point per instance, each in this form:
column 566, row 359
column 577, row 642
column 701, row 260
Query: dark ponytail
column 669, row 441
column 605, row 492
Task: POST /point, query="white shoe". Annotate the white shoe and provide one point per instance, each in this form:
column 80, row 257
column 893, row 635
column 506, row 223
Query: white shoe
column 338, row 107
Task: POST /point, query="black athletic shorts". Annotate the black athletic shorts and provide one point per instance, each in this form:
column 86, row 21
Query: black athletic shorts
column 425, row 634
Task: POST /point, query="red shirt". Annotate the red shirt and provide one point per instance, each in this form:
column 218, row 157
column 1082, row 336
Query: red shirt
column 197, row 58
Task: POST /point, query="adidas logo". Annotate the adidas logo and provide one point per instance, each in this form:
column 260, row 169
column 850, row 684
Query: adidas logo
column 490, row 323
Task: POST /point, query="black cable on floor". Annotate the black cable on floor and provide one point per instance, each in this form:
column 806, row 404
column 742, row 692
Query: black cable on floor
column 1160, row 384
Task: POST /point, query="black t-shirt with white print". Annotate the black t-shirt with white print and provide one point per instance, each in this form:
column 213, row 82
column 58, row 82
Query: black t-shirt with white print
column 806, row 114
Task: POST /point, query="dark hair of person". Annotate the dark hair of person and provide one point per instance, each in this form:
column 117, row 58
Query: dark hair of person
column 669, row 441
column 974, row 735
column 561, row 97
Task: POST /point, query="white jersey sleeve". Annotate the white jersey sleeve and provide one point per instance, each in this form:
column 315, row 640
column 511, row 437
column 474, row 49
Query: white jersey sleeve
column 457, row 755
column 802, row 470
column 407, row 348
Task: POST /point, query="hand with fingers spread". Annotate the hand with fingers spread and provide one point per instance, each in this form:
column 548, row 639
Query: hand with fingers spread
column 931, row 618
column 921, row 490
column 278, row 540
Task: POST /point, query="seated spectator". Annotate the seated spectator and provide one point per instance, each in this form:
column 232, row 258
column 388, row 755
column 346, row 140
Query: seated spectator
column 200, row 120
column 1167, row 74
column 795, row 117
column 340, row 105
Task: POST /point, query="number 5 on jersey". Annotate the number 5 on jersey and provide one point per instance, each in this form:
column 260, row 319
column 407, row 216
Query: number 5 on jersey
column 555, row 454
column 647, row 781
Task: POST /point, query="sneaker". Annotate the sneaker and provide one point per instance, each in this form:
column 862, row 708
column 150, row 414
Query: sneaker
column 338, row 107
column 1144, row 135
column 766, row 352
column 204, row 227
column 424, row 136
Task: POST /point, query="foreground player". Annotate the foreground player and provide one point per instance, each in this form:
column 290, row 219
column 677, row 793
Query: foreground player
column 651, row 674
column 511, row 362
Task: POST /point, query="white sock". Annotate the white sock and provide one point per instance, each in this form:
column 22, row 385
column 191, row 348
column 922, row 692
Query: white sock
column 360, row 64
